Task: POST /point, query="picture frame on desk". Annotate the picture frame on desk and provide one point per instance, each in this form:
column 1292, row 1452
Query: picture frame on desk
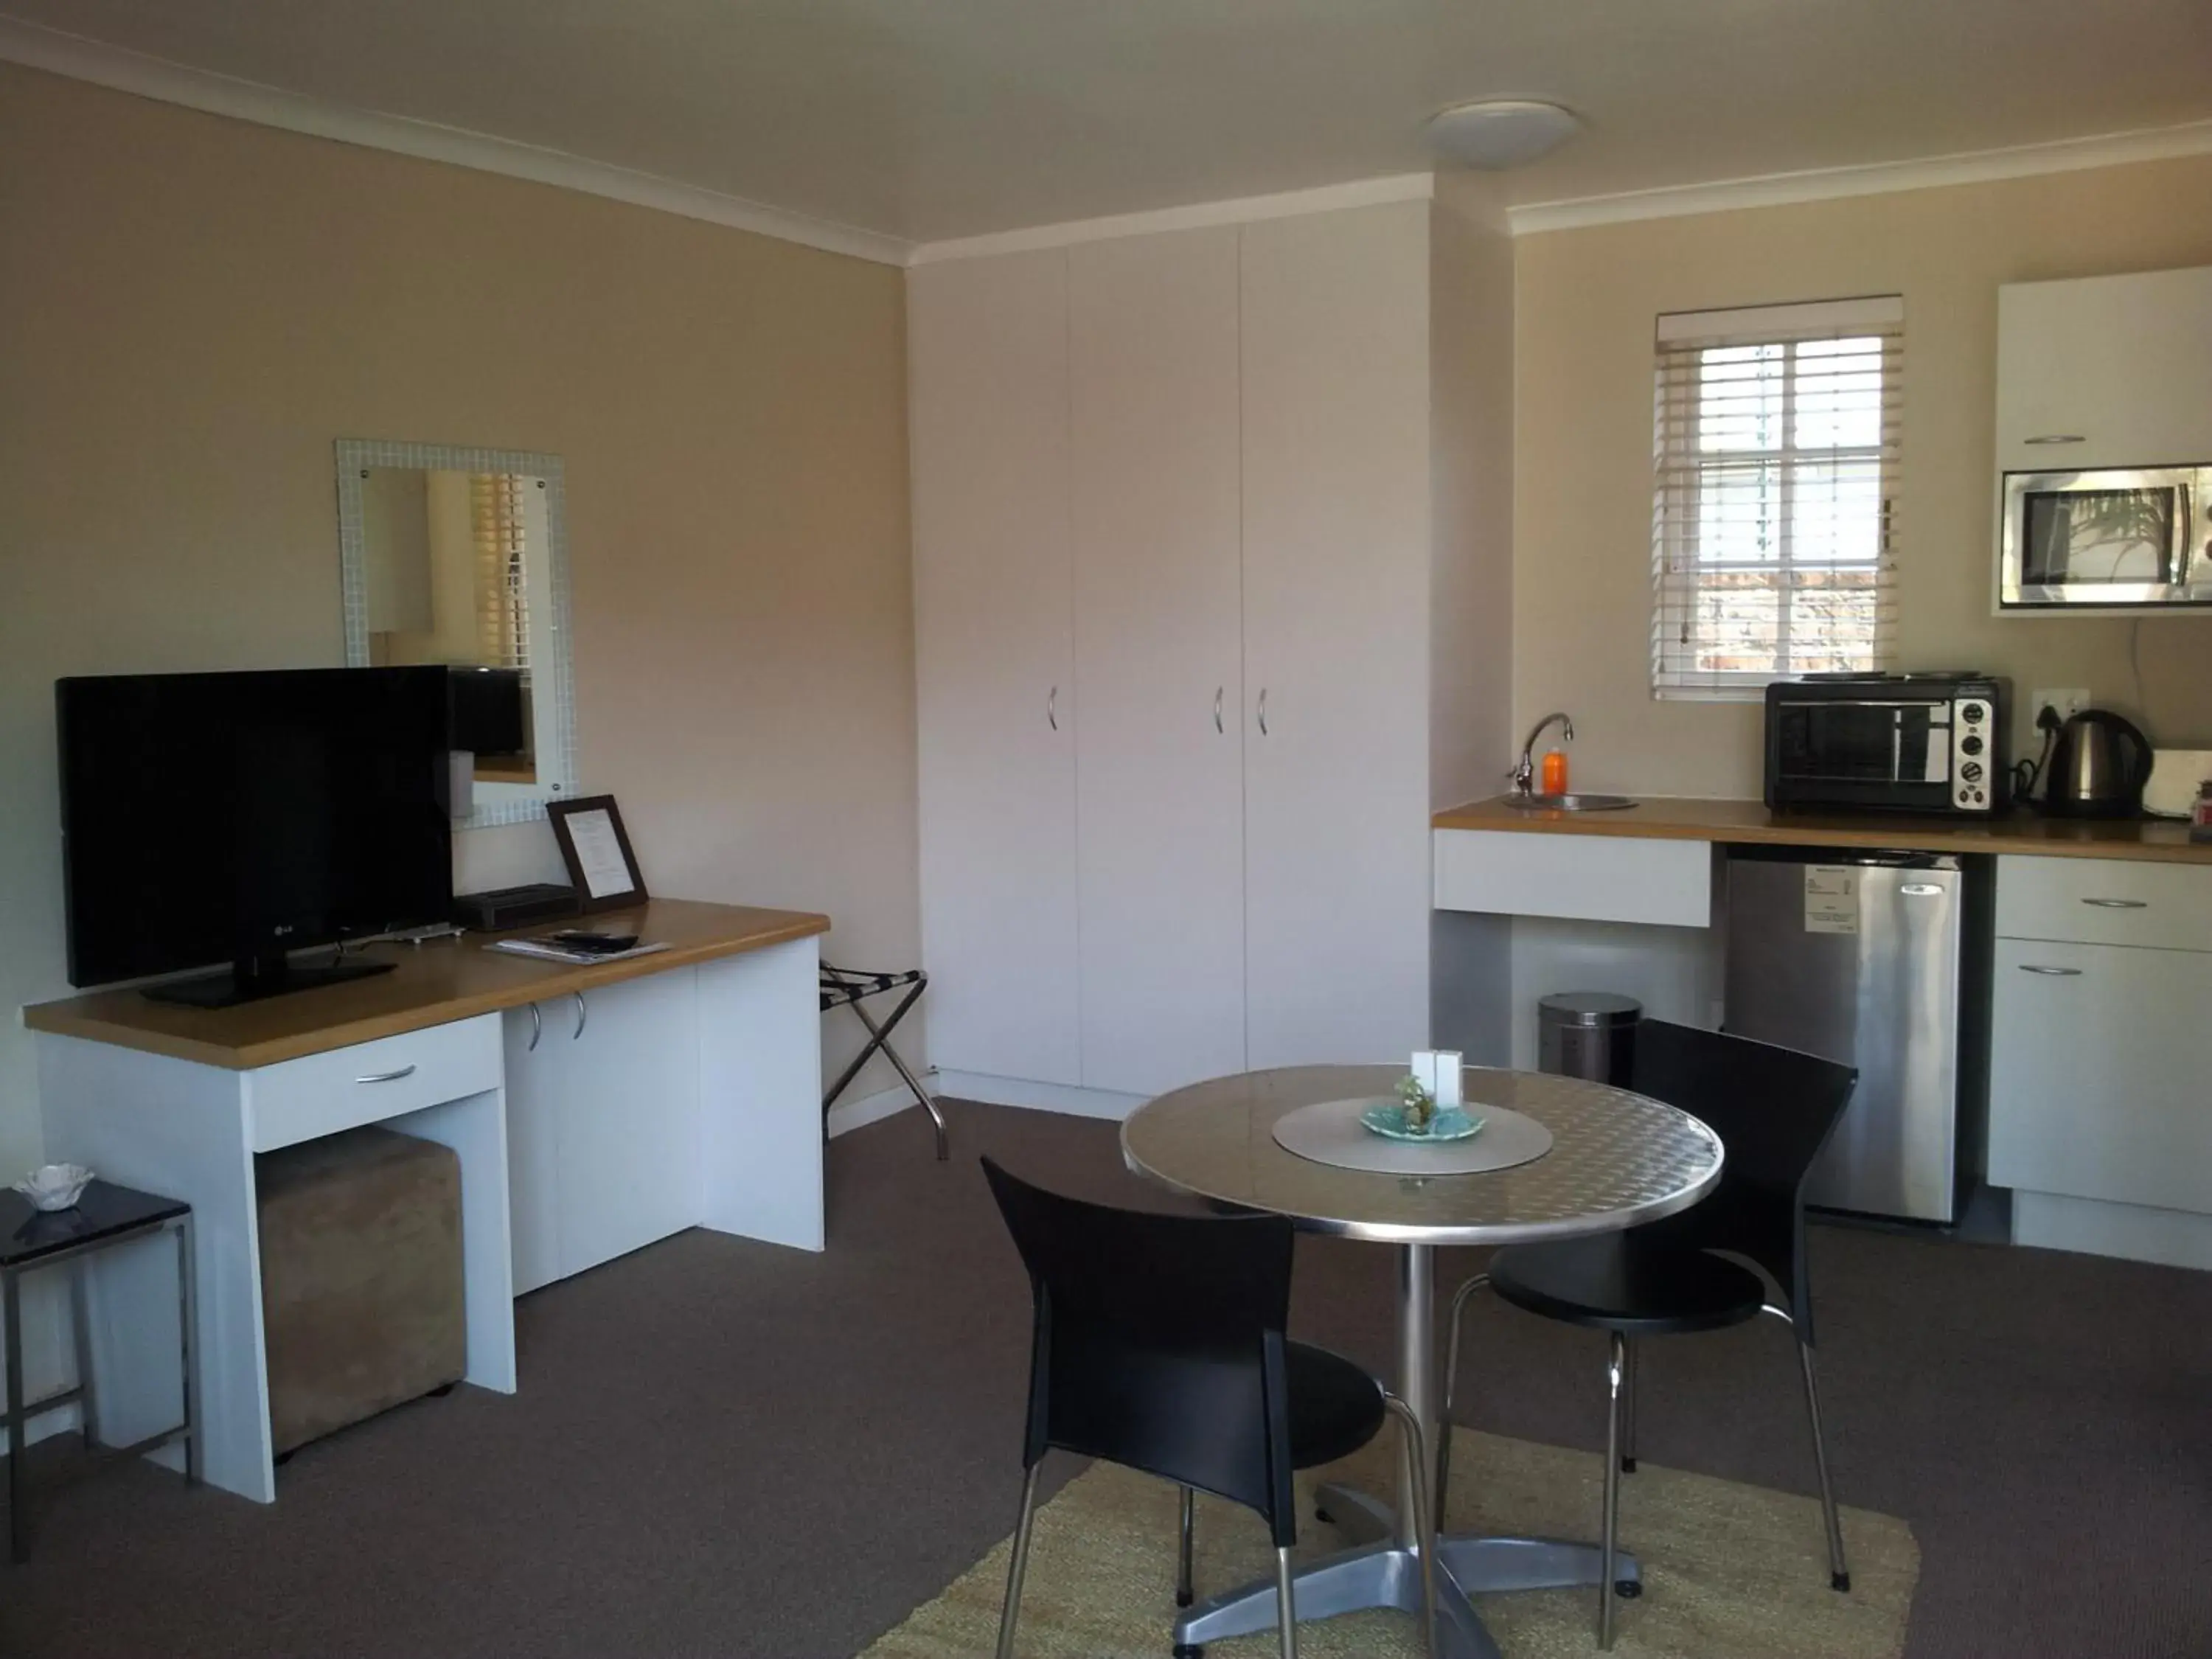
column 596, row 848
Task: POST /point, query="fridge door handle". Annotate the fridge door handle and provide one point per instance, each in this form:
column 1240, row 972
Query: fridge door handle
column 1921, row 890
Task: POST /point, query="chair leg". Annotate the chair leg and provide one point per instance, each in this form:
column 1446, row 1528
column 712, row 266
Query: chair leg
column 1839, row 1576
column 1286, row 1612
column 1628, row 1407
column 1183, row 1594
column 1615, row 1364
column 1020, row 1565
column 1451, row 1386
column 1413, row 1448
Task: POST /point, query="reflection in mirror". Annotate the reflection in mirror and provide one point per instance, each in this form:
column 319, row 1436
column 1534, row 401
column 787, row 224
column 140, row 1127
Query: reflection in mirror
column 455, row 556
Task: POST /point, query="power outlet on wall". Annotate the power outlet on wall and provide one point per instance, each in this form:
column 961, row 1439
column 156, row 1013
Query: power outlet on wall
column 2066, row 703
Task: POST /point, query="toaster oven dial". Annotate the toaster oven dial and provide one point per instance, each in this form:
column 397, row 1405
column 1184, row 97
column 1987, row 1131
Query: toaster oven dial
column 1971, row 771
column 1971, row 745
column 1973, row 713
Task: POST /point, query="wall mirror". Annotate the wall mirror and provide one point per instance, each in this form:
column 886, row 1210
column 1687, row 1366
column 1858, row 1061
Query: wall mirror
column 459, row 557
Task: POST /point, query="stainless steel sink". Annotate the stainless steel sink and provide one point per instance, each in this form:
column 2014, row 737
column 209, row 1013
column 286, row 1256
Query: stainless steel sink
column 1568, row 803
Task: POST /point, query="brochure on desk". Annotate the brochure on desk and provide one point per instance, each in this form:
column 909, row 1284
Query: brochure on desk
column 550, row 950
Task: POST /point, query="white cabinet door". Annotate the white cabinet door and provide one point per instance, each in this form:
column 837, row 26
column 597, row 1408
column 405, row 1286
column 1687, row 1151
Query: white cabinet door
column 2114, row 362
column 995, row 664
column 2098, row 1068
column 1159, row 627
column 1336, row 630
column 626, row 1058
column 533, row 1183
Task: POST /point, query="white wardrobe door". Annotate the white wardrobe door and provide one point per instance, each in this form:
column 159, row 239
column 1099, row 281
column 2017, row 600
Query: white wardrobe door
column 995, row 664
column 1158, row 621
column 1336, row 518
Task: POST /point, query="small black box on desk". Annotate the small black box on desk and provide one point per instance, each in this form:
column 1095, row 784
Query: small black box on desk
column 514, row 907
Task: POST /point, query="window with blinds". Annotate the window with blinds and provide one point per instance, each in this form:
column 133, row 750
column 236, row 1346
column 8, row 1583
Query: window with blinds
column 1775, row 461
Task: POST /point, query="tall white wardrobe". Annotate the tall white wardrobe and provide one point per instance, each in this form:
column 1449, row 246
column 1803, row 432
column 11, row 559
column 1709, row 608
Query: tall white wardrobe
column 1212, row 598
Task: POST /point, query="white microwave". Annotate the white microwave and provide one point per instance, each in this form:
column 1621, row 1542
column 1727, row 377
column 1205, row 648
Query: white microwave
column 2135, row 538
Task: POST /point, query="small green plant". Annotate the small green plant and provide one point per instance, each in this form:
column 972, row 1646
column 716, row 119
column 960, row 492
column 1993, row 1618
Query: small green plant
column 1420, row 1106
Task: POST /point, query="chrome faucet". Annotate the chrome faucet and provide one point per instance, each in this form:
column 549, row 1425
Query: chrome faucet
column 1524, row 773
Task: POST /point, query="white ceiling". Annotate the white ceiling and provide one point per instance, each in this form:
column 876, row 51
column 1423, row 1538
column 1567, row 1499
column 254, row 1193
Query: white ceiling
column 930, row 119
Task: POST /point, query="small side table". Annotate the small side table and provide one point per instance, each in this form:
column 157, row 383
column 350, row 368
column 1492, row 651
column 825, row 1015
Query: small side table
column 31, row 1239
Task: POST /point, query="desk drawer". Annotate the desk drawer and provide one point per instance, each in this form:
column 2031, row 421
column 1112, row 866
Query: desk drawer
column 2105, row 902
column 344, row 1088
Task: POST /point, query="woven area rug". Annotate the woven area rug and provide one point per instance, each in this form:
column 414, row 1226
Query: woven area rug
column 1731, row 1571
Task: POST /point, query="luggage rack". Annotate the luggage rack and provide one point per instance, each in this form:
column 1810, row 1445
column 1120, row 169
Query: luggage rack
column 846, row 987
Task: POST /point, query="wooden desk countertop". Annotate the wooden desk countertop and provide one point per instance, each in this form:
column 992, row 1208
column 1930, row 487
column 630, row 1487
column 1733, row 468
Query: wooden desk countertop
column 1749, row 821
column 445, row 980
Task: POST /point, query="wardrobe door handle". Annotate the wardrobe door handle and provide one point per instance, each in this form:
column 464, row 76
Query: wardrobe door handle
column 1052, row 709
column 2054, row 973
column 536, row 1028
column 583, row 1014
column 1263, row 711
column 2120, row 904
column 387, row 1077
column 2057, row 438
column 1219, row 692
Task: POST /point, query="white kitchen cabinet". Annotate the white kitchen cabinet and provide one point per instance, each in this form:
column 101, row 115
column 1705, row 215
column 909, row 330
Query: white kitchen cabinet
column 995, row 664
column 1335, row 453
column 1204, row 468
column 2100, row 1117
column 1158, row 647
column 2107, row 371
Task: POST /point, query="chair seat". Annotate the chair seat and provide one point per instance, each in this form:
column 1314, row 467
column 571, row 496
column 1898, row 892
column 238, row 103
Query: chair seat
column 1335, row 1407
column 1621, row 1282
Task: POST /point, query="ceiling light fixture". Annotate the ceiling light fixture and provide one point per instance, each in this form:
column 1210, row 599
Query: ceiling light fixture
column 1496, row 133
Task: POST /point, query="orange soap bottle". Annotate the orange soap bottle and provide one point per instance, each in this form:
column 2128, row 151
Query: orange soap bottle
column 1555, row 772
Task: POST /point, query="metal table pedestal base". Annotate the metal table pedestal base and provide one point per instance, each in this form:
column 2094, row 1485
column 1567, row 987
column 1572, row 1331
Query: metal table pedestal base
column 1384, row 1574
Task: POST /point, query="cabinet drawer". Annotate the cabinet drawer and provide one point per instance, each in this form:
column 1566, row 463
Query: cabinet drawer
column 1579, row 876
column 2105, row 902
column 344, row 1088
column 2097, row 1062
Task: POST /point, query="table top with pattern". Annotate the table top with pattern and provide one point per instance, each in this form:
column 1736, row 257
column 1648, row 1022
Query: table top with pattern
column 1617, row 1159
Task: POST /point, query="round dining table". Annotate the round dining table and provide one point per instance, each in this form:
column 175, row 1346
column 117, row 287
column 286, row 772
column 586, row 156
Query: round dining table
column 1616, row 1159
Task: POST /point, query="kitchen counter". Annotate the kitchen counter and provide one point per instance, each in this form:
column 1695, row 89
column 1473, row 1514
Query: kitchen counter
column 1665, row 818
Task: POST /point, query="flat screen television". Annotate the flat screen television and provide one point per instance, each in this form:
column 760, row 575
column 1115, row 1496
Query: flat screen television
column 239, row 817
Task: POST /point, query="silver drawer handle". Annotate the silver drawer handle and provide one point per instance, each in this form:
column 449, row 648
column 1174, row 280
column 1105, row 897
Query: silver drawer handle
column 536, row 1028
column 2054, row 973
column 2120, row 904
column 387, row 1077
column 583, row 1015
column 2057, row 438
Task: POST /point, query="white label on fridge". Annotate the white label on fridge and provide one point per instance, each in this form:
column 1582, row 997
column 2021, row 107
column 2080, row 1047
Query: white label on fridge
column 1831, row 898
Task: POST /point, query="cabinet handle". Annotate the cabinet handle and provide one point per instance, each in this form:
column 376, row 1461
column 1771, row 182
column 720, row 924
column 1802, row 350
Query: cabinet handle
column 2057, row 438
column 1052, row 709
column 582, row 1015
column 2054, row 973
column 2120, row 904
column 1263, row 711
column 536, row 1028
column 1218, row 691
column 387, row 1077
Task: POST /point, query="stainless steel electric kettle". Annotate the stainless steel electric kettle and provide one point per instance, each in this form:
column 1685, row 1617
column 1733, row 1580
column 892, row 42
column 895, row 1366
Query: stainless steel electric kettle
column 2099, row 766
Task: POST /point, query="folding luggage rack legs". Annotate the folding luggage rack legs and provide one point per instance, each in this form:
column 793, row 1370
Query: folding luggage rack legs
column 845, row 987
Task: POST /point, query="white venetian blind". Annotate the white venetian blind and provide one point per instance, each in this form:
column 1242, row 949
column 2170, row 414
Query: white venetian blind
column 502, row 610
column 1774, row 447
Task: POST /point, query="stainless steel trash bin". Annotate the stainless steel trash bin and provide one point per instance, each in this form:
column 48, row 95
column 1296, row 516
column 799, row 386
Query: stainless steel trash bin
column 1588, row 1034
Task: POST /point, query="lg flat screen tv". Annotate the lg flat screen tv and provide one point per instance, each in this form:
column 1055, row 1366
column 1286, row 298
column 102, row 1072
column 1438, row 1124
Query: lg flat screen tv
column 236, row 819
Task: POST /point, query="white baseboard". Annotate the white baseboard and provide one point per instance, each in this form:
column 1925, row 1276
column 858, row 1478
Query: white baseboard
column 848, row 1114
column 1037, row 1096
column 2178, row 1238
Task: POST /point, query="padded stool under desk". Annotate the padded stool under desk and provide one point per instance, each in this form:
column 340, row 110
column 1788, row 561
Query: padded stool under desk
column 104, row 1218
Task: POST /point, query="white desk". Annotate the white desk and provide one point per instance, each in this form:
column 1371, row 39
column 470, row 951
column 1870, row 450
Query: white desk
column 593, row 1109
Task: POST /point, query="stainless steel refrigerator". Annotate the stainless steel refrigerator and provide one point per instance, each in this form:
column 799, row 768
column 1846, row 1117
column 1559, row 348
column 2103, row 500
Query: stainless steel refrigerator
column 1879, row 960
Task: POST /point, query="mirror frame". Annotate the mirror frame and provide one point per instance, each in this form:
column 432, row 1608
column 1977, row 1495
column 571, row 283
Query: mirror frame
column 552, row 684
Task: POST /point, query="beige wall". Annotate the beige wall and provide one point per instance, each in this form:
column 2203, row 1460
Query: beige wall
column 190, row 311
column 1585, row 303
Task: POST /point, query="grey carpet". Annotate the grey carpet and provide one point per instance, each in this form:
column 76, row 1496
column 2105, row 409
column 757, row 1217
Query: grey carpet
column 722, row 1447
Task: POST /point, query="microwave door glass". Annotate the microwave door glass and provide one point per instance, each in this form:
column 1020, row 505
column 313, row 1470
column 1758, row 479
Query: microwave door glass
column 2096, row 537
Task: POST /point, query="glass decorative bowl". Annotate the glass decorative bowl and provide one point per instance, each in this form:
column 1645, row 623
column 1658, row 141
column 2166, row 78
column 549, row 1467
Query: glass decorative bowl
column 1387, row 1118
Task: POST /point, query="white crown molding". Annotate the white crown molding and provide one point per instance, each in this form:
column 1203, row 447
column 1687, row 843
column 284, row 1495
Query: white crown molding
column 59, row 53
column 1826, row 184
column 1239, row 210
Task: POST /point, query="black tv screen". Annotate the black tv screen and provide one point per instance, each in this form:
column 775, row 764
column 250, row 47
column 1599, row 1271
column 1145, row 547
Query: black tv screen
column 232, row 817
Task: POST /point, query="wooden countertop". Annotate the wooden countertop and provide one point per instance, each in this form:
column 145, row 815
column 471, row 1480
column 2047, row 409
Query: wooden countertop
column 1665, row 818
column 434, row 983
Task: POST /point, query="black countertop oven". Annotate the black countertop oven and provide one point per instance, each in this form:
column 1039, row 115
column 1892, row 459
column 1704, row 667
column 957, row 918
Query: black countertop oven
column 1906, row 743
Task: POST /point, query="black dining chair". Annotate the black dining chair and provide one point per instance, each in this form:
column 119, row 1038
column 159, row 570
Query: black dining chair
column 1773, row 1109
column 1160, row 1345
